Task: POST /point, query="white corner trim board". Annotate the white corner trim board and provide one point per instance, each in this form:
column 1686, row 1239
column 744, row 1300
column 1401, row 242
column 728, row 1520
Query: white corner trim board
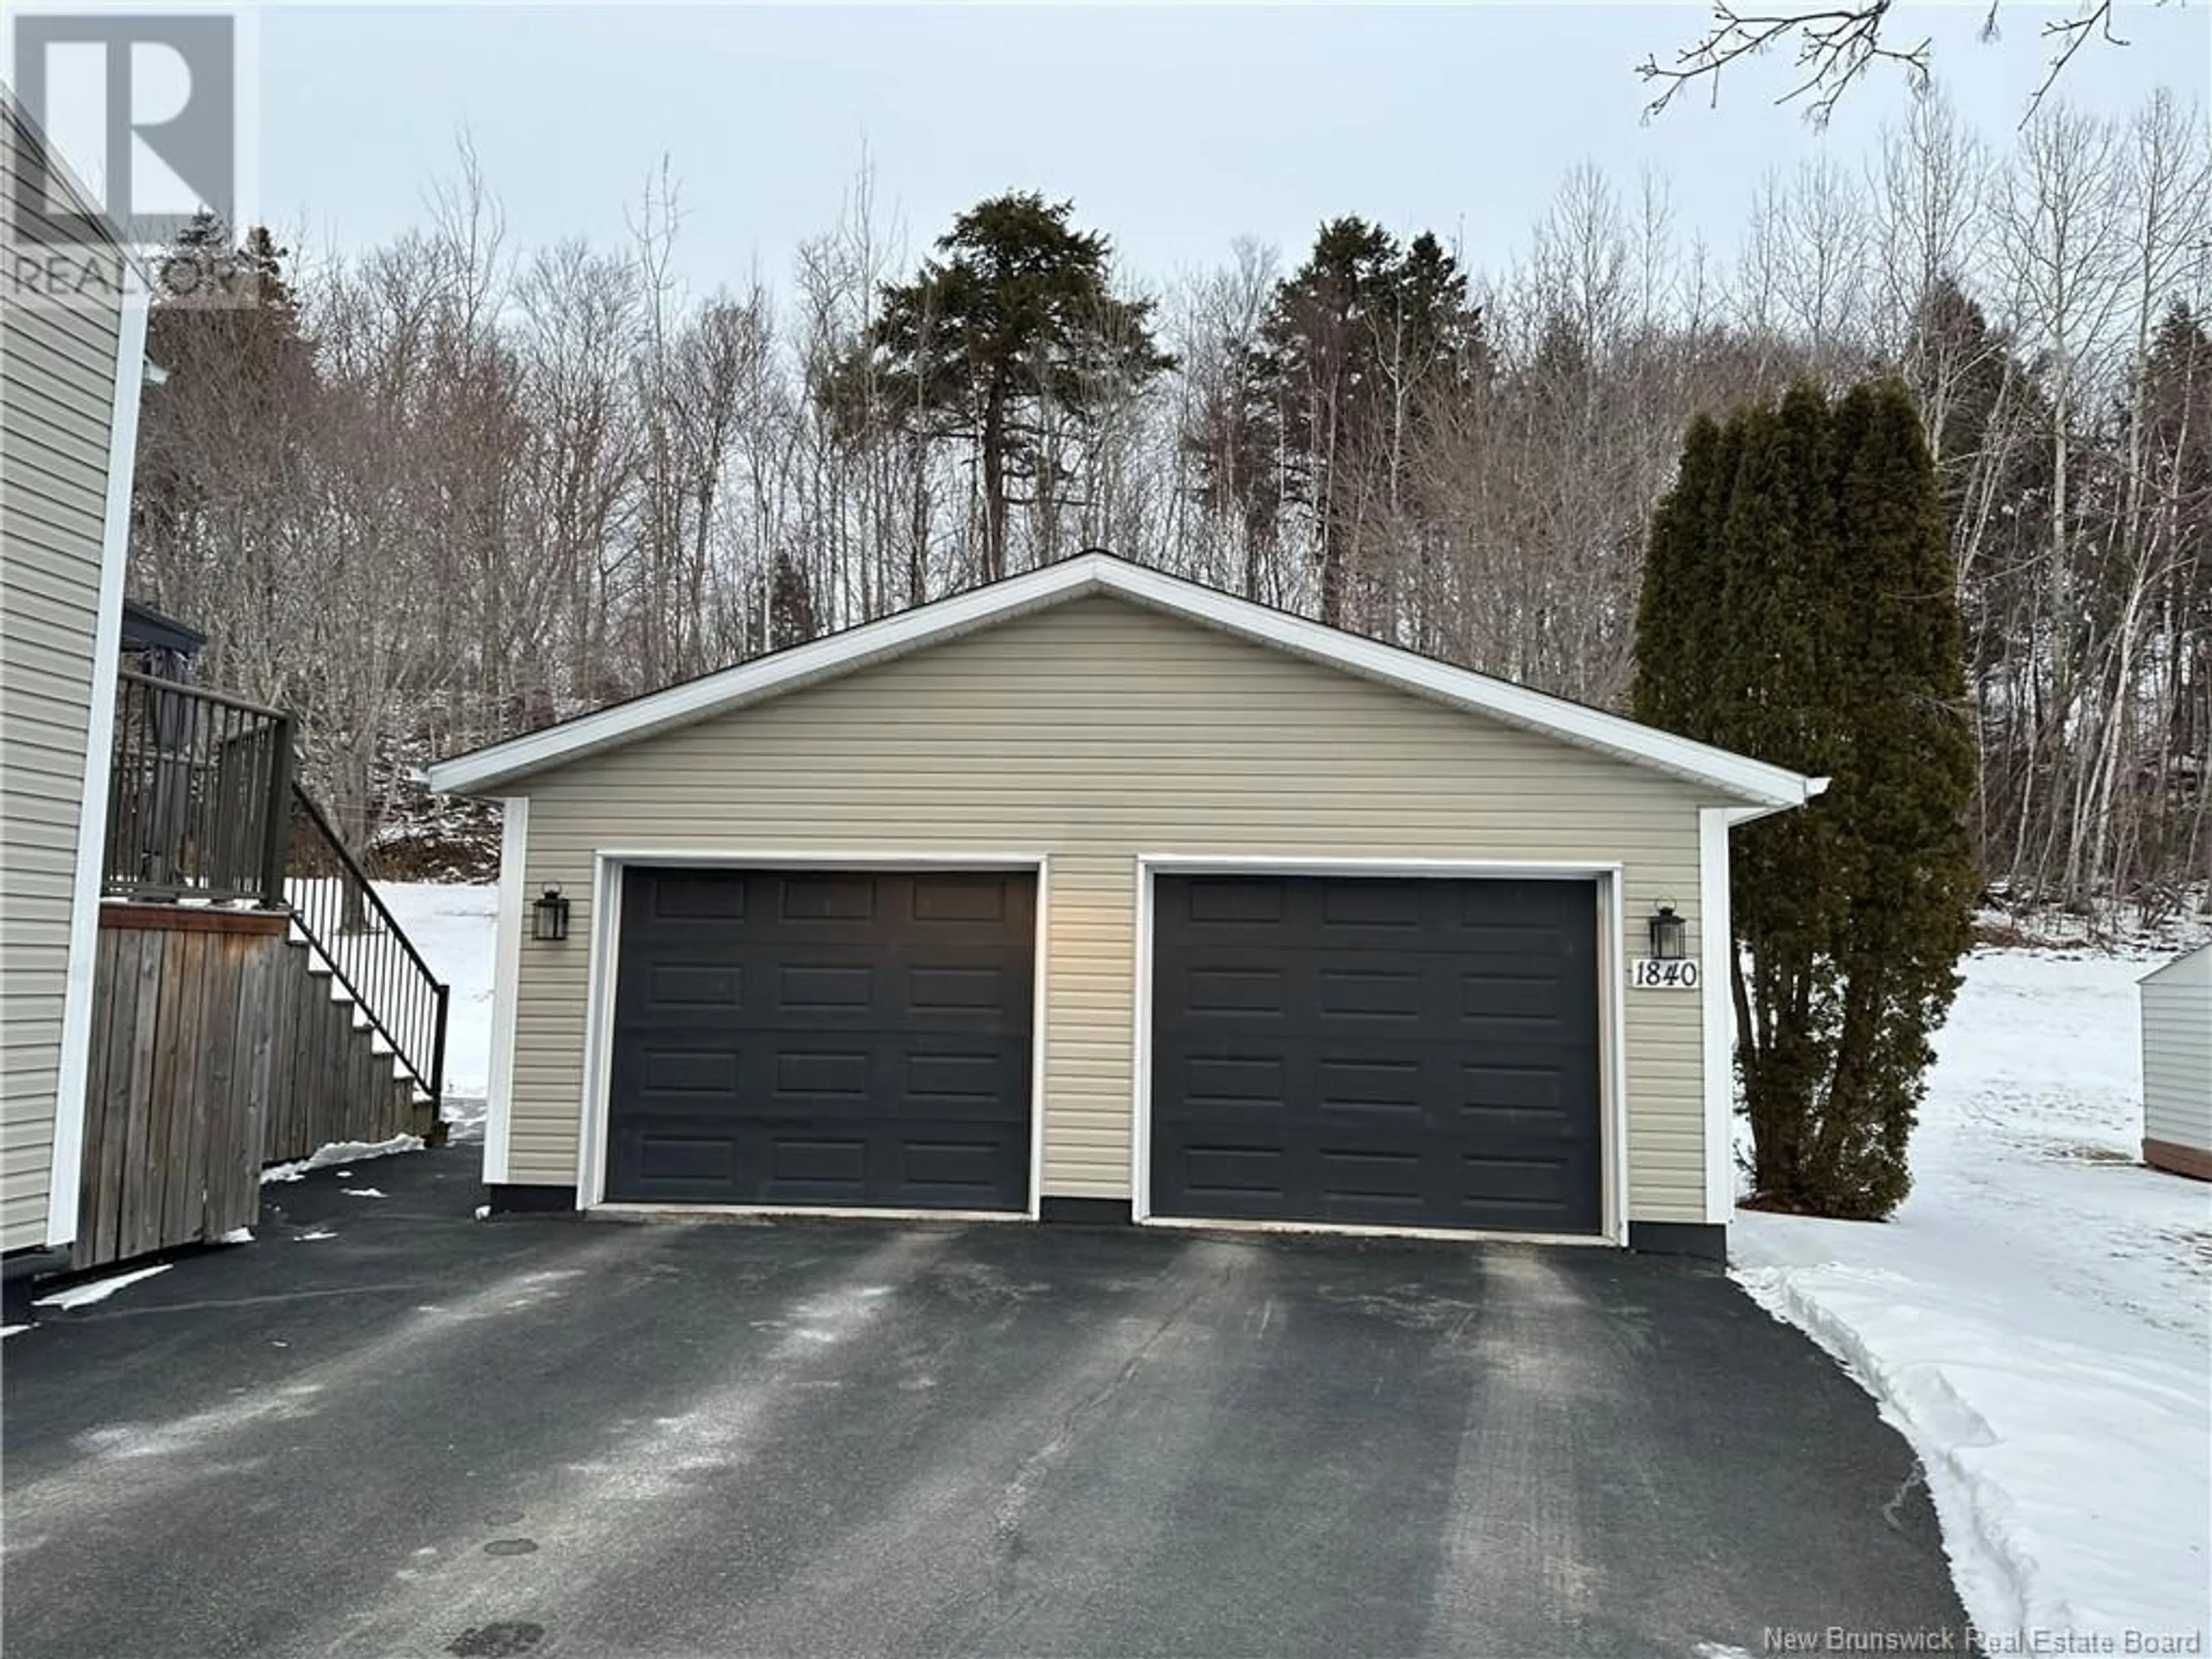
column 1716, row 942
column 1770, row 788
column 506, row 984
column 74, row 1073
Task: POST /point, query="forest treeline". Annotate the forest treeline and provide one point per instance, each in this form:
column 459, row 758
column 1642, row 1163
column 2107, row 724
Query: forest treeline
column 448, row 488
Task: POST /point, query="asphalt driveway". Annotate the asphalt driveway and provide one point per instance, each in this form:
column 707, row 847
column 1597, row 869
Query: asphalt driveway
column 427, row 1435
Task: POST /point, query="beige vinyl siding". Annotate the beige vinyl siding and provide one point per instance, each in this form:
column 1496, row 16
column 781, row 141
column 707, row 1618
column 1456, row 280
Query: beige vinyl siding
column 2177, row 1053
column 56, row 395
column 1092, row 734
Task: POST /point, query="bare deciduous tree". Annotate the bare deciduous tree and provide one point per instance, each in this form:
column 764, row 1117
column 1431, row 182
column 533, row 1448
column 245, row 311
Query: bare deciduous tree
column 433, row 494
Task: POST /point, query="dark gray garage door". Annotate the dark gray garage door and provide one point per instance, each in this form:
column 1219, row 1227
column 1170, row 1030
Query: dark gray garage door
column 811, row 1037
column 1413, row 1053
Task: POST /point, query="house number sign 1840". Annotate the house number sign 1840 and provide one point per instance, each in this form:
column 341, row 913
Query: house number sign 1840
column 1651, row 973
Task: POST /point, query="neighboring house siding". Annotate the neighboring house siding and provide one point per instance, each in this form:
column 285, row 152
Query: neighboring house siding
column 1092, row 733
column 2177, row 1053
column 57, row 392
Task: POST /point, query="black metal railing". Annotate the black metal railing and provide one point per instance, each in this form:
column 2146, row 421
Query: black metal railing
column 347, row 923
column 199, row 802
column 203, row 806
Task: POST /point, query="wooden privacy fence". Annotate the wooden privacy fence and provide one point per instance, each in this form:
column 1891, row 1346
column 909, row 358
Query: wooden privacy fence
column 183, row 1063
column 217, row 1046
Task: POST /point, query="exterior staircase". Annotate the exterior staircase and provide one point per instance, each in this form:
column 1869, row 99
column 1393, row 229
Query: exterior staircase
column 254, row 999
column 345, row 1082
column 375, row 1068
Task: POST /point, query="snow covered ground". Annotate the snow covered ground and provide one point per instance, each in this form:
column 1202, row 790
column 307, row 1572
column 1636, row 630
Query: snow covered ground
column 453, row 927
column 2037, row 1318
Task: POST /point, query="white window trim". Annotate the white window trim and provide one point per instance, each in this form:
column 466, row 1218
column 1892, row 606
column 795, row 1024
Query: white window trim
column 507, row 985
column 1613, row 1063
column 608, row 866
column 74, row 1075
column 1087, row 574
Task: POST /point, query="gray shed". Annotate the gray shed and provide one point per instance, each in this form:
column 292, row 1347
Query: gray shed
column 2177, row 1065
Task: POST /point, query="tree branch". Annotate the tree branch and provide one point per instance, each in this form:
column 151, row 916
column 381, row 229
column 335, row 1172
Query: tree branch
column 1837, row 45
column 2095, row 18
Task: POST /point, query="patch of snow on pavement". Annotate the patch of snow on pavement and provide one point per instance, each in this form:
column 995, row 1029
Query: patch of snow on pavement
column 341, row 1151
column 2037, row 1318
column 361, row 1192
column 186, row 1435
column 237, row 1235
column 83, row 1295
column 6, row 1331
column 307, row 1238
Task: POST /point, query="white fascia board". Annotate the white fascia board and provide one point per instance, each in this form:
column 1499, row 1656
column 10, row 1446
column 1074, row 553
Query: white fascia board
column 1773, row 787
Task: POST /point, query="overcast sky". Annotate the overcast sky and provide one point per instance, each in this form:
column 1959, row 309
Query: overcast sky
column 1174, row 130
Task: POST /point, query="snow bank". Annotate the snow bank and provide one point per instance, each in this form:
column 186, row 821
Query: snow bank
column 341, row 1151
column 2037, row 1319
column 2070, row 1476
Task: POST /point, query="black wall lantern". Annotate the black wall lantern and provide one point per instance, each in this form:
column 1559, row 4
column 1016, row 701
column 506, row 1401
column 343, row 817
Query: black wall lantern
column 548, row 916
column 1668, row 933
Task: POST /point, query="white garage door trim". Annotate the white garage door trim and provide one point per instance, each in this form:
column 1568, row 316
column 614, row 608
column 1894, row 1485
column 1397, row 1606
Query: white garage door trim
column 608, row 864
column 1612, row 1058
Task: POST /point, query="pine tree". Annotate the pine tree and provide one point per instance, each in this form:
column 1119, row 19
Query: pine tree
column 222, row 435
column 1776, row 617
column 1808, row 543
column 1669, row 610
column 794, row 617
column 1016, row 316
column 1903, row 779
column 1364, row 332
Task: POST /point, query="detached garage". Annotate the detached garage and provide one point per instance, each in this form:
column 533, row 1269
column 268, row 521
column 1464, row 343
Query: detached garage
column 1098, row 895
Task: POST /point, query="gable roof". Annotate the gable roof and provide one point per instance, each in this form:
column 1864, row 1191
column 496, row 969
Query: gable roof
column 2187, row 969
column 82, row 201
column 486, row 770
